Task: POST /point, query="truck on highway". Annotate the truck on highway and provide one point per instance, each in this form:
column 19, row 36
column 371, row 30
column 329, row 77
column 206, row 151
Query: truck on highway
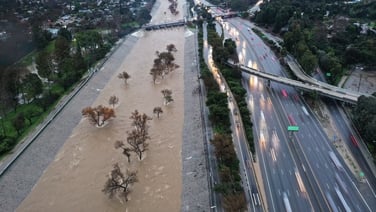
column 286, row 202
column 331, row 202
column 342, row 199
column 335, row 160
column 305, row 111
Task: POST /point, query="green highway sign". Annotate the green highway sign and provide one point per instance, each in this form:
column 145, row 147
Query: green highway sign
column 293, row 128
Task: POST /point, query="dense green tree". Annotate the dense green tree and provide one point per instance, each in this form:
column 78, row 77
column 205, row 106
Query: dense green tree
column 19, row 123
column 65, row 33
column 78, row 60
column 239, row 5
column 62, row 49
column 89, row 40
column 308, row 62
column 369, row 131
column 143, row 16
column 32, row 85
column 282, row 18
column 320, row 33
column 230, row 47
column 365, row 118
column 47, row 99
column 40, row 37
column 44, row 64
column 30, row 113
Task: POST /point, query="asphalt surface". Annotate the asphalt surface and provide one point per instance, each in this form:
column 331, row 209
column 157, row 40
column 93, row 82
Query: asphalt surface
column 306, row 152
column 23, row 174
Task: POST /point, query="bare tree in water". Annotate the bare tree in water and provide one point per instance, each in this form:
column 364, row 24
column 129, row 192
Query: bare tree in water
column 164, row 63
column 126, row 151
column 119, row 184
column 125, row 76
column 113, row 100
column 157, row 110
column 98, row 115
column 139, row 135
column 167, row 95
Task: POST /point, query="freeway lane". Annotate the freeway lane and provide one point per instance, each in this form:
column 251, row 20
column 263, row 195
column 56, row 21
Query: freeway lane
column 345, row 131
column 275, row 154
column 313, row 141
column 282, row 179
column 287, row 164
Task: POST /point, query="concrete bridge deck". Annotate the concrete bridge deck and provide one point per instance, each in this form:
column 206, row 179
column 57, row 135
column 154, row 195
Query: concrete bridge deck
column 339, row 94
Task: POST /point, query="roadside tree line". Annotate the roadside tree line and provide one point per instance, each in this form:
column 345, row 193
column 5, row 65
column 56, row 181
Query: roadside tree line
column 232, row 193
column 364, row 116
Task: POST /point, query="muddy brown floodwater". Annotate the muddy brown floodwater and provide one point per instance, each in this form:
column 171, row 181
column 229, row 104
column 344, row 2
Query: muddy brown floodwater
column 74, row 180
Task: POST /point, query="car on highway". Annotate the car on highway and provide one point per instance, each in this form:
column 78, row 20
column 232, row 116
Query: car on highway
column 354, row 141
column 284, row 93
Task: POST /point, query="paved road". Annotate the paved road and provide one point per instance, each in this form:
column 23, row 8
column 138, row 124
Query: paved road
column 19, row 179
column 310, row 147
column 281, row 178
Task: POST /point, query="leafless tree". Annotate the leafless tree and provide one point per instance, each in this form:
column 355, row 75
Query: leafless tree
column 157, row 110
column 164, row 63
column 137, row 142
column 234, row 202
column 119, row 184
column 98, row 115
column 124, row 75
column 224, row 149
column 138, row 136
column 113, row 100
column 126, row 151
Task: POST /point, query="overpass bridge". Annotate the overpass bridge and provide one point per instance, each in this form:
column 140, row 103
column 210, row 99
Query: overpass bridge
column 338, row 94
column 298, row 71
column 183, row 22
column 227, row 15
column 179, row 23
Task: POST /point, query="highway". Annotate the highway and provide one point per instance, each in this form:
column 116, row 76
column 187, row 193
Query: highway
column 246, row 171
column 298, row 166
column 308, row 149
column 273, row 136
